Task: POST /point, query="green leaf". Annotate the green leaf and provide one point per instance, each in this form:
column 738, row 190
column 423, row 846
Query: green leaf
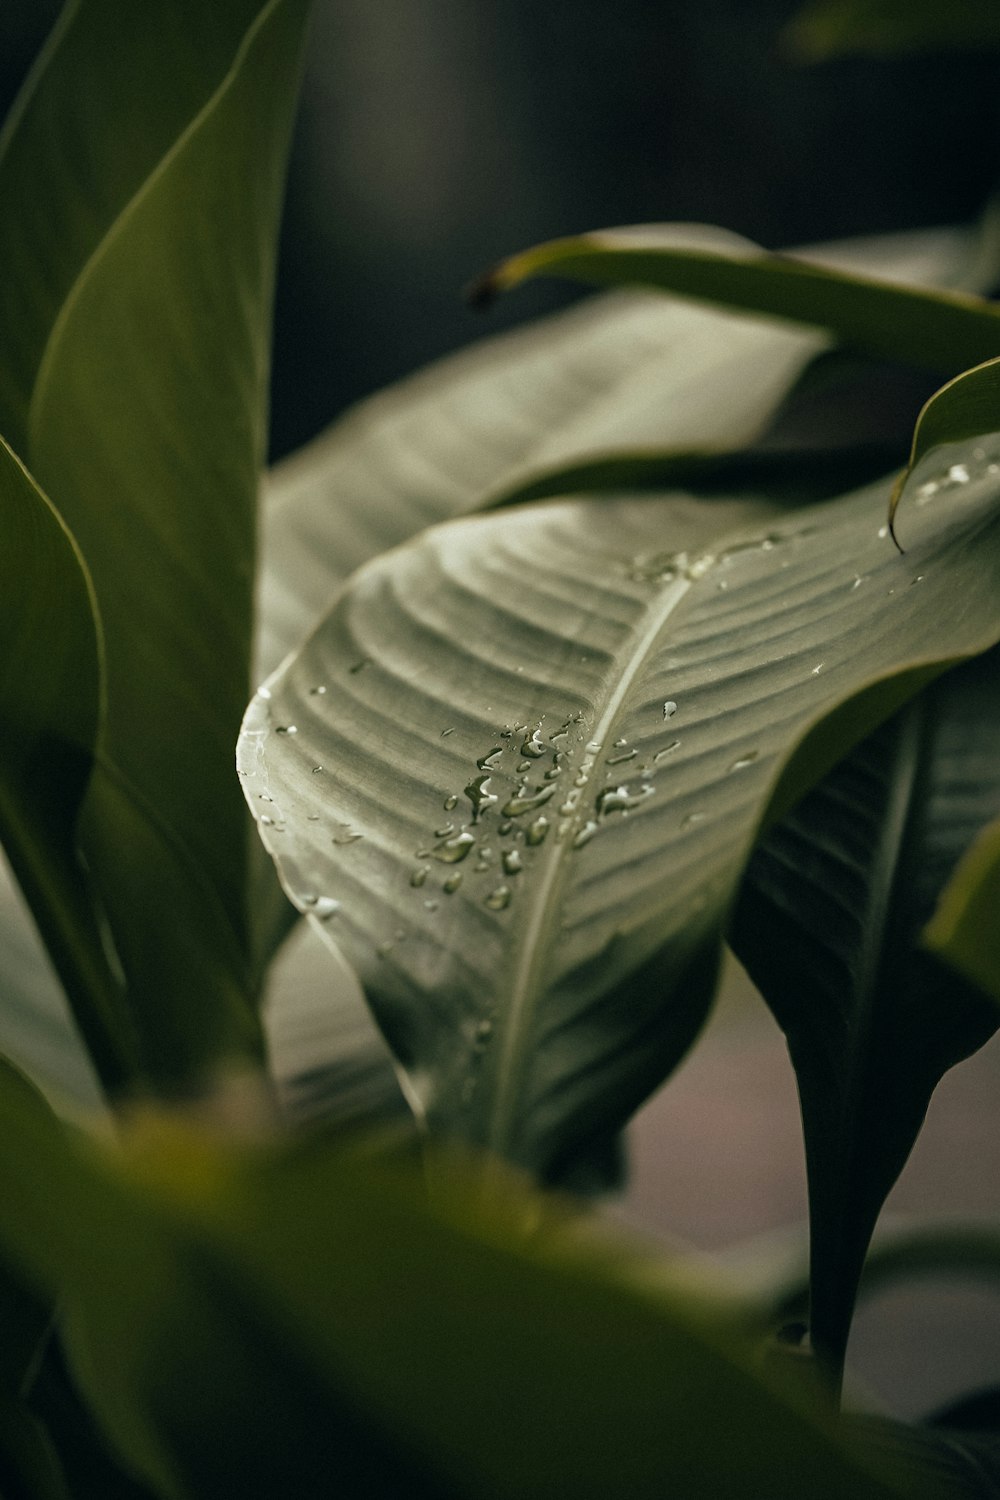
column 534, row 1007
column 268, row 1322
column 964, row 409
column 963, row 930
column 68, row 167
column 607, row 393
column 828, row 925
column 50, row 702
column 829, row 29
column 937, row 330
column 146, row 424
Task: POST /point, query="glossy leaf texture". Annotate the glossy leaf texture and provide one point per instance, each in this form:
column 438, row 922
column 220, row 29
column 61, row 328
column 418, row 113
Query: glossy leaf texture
column 964, row 409
column 524, row 758
column 936, row 330
column 146, row 424
column 51, row 682
column 828, row 29
column 602, row 394
column 828, row 925
column 261, row 1321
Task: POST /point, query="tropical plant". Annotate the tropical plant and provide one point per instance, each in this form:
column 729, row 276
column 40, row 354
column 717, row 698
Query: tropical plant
column 522, row 761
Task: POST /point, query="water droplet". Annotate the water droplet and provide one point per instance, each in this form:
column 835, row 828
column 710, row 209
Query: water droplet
column 617, row 760
column 317, row 770
column 359, row 666
column 267, row 822
column 569, row 806
column 445, row 732
column 918, row 579
column 533, row 746
column 744, row 760
column 818, row 669
column 594, row 747
column 858, row 581
column 265, row 797
column 525, row 801
column 313, row 817
column 317, row 692
column 667, row 750
column 586, row 833
column 449, row 851
column 451, row 885
column 348, row 836
column 537, row 831
column 993, row 468
column 958, row 474
column 700, row 566
column 479, row 794
column 450, row 803
column 552, row 773
column 669, row 708
column 443, row 832
column 431, row 905
column 926, row 493
column 619, row 799
column 419, row 875
column 619, row 743
column 722, row 585
column 325, row 908
column 263, row 692
column 505, row 827
column 883, row 532
column 490, row 762
column 512, row 862
column 483, row 1032
column 522, row 766
column 499, row 899
column 692, row 818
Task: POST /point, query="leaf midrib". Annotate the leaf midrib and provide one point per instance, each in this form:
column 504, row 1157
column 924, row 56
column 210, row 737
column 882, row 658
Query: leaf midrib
column 535, row 949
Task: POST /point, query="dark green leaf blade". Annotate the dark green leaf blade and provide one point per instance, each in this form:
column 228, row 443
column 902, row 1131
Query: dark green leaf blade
column 828, row 924
column 946, row 331
column 171, row 424
column 964, row 928
column 64, row 151
column 239, row 1316
column 51, row 681
column 654, row 672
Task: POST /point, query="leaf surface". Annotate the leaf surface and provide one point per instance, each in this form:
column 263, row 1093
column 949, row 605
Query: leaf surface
column 964, row 409
column 603, row 727
column 146, row 423
column 937, row 330
column 267, row 1322
column 827, row 29
column 599, row 395
column 828, row 925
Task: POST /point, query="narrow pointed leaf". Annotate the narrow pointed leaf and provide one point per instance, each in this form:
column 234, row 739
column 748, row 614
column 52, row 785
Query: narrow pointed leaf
column 662, row 673
column 937, row 330
column 147, row 423
column 596, row 396
column 241, row 1324
column 964, row 928
column 51, row 674
column 828, row 925
column 68, row 167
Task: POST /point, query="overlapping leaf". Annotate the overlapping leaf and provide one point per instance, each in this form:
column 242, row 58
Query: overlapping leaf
column 826, row 29
column 259, row 1322
column 142, row 347
column 651, row 676
column 597, row 394
column 936, row 330
column 828, row 925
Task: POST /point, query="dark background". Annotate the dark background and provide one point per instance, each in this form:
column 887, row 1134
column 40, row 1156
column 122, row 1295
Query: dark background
column 437, row 135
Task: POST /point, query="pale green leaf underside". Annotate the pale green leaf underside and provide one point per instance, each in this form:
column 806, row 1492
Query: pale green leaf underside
column 937, row 330
column 626, row 374
column 695, row 674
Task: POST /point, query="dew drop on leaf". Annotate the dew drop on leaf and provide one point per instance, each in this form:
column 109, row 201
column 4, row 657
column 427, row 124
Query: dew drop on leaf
column 499, row 899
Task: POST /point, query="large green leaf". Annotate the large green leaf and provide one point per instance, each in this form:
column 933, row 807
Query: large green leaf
column 259, row 1322
column 964, row 928
column 937, row 330
column 600, row 394
column 965, row 408
column 51, row 678
column 146, row 425
column 69, row 163
column 828, row 925
column 537, row 982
